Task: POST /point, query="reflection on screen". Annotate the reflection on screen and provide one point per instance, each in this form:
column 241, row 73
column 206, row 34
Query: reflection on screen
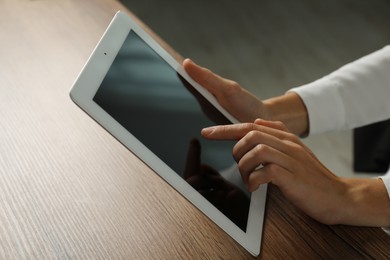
column 162, row 110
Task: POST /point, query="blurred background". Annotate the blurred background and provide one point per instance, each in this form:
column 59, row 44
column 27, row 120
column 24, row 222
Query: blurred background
column 271, row 46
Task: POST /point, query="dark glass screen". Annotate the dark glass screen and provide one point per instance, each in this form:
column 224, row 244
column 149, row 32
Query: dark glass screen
column 162, row 110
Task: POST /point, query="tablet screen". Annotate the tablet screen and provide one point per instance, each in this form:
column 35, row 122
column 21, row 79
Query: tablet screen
column 163, row 111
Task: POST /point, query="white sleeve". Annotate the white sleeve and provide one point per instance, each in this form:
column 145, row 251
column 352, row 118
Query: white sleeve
column 386, row 180
column 354, row 95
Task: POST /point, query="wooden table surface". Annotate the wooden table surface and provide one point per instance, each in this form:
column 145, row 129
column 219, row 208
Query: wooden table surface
column 68, row 190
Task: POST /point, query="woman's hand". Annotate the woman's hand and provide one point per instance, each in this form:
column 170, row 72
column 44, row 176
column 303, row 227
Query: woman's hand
column 236, row 100
column 245, row 106
column 267, row 152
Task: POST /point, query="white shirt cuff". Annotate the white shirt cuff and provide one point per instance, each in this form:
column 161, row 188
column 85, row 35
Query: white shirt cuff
column 386, row 181
column 324, row 105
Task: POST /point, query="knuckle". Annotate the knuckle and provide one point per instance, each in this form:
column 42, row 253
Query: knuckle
column 223, row 129
column 253, row 185
column 280, row 124
column 295, row 148
column 292, row 137
column 234, row 85
column 247, row 128
column 232, row 88
column 260, row 149
column 241, row 167
column 244, row 175
column 272, row 169
column 207, row 70
column 235, row 154
column 253, row 135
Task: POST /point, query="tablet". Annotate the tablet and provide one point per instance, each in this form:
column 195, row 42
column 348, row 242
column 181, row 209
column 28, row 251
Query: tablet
column 143, row 97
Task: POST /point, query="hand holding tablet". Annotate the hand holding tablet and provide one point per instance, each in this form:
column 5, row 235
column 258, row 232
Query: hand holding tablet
column 134, row 89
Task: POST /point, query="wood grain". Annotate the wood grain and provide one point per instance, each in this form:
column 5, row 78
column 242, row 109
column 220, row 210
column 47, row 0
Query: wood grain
column 68, row 190
column 292, row 230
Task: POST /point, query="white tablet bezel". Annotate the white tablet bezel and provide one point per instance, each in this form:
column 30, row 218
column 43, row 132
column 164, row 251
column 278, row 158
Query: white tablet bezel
column 84, row 90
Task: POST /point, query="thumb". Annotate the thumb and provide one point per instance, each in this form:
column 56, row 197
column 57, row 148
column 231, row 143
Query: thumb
column 205, row 77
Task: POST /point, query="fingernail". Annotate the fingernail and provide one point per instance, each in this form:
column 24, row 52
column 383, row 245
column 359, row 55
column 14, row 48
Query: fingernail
column 189, row 60
column 207, row 131
column 258, row 121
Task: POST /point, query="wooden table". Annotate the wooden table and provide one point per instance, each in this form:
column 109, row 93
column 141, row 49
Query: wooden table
column 68, row 190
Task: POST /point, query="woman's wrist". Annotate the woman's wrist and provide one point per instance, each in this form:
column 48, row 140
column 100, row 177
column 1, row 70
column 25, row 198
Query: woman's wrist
column 366, row 203
column 290, row 110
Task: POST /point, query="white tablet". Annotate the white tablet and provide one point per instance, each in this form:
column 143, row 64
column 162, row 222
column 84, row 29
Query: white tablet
column 144, row 98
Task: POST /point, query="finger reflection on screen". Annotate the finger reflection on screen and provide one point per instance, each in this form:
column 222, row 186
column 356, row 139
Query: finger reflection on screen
column 224, row 195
